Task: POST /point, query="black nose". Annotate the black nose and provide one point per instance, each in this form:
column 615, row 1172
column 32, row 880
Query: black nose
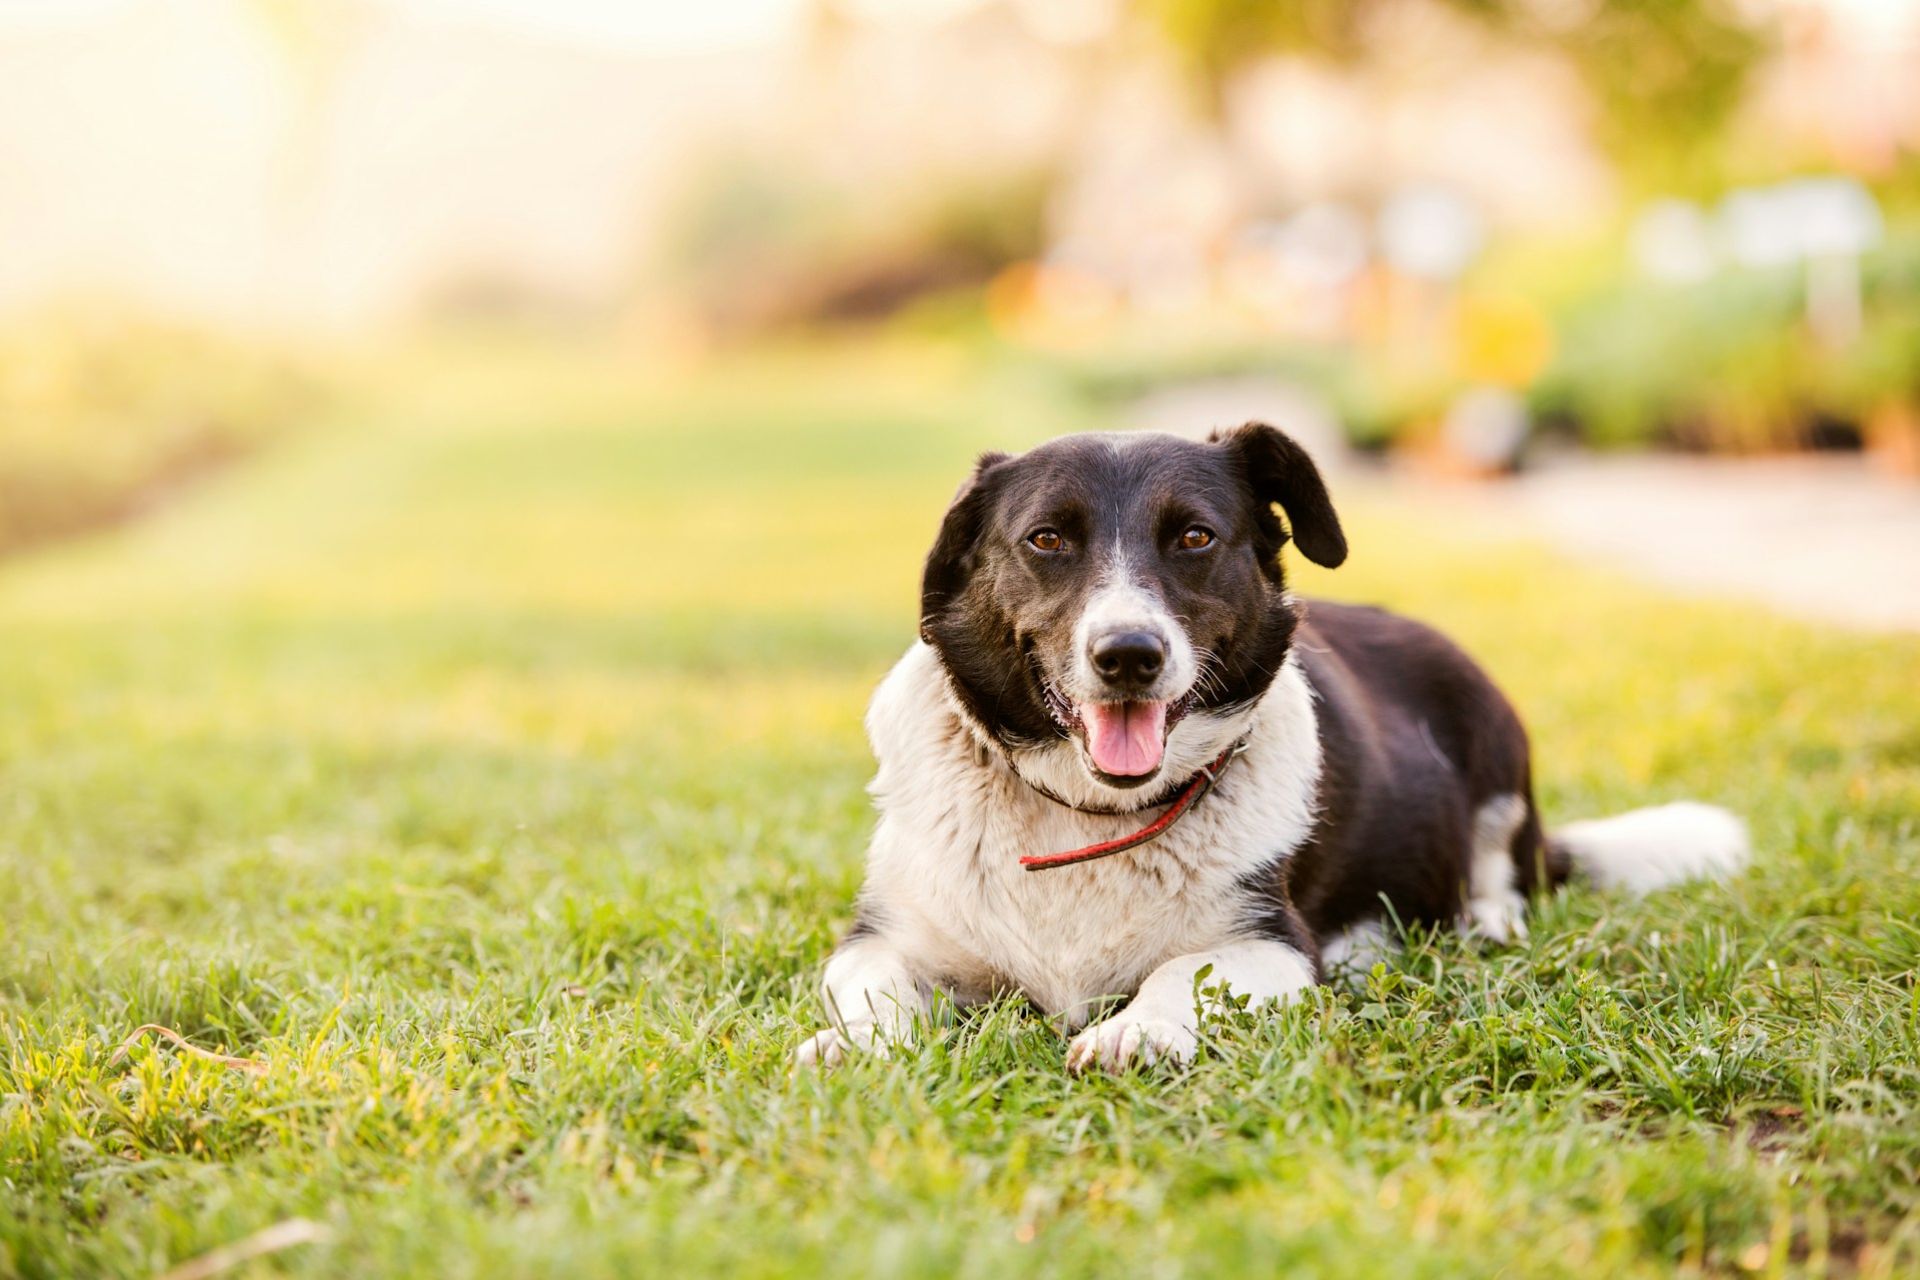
column 1128, row 657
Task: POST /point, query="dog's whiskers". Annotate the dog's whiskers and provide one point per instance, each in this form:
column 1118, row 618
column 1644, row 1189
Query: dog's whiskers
column 1209, row 678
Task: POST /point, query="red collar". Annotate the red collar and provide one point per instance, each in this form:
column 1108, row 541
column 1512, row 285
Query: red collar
column 1189, row 795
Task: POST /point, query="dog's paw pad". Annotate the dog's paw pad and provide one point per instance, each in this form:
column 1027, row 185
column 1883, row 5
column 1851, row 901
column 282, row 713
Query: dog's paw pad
column 1122, row 1042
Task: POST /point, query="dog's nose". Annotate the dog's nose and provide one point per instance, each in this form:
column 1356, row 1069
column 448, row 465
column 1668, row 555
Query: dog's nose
column 1128, row 658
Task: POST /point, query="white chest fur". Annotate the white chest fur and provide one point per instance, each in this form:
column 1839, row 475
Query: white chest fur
column 944, row 879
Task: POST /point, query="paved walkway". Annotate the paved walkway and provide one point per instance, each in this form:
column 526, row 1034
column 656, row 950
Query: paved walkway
column 1830, row 539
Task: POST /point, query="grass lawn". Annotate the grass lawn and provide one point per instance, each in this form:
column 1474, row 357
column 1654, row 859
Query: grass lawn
column 488, row 764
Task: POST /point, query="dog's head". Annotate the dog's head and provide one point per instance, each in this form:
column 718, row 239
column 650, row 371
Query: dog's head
column 1092, row 596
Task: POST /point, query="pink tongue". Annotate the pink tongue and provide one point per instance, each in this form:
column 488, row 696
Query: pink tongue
column 1126, row 738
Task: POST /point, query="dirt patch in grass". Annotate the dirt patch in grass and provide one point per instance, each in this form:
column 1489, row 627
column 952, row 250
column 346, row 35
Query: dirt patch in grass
column 38, row 508
column 1770, row 1131
column 103, row 418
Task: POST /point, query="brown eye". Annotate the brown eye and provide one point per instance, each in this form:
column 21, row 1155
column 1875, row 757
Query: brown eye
column 1046, row 540
column 1196, row 539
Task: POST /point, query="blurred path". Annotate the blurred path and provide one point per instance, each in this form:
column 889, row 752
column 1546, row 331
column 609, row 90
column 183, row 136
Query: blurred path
column 1829, row 539
column 1821, row 538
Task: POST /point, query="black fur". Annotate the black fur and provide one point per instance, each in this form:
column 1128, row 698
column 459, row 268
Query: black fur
column 1415, row 738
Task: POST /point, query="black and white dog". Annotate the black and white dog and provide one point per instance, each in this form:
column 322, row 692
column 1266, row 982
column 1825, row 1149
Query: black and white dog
column 1107, row 644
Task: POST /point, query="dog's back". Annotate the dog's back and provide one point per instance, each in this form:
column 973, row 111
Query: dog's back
column 1425, row 770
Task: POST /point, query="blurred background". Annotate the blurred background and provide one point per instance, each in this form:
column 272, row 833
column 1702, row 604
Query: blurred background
column 1660, row 261
column 464, row 465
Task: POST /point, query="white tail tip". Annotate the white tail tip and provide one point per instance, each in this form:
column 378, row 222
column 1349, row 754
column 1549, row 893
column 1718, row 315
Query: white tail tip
column 1649, row 849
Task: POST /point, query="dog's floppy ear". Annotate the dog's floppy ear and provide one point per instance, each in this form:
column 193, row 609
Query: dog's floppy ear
column 1281, row 472
column 951, row 562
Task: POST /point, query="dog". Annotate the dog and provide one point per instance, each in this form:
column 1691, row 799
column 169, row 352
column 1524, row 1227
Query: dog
column 1122, row 760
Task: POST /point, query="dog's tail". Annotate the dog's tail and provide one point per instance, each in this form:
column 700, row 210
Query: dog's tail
column 1648, row 849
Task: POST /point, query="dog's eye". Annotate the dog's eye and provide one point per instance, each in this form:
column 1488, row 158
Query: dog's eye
column 1048, row 540
column 1196, row 539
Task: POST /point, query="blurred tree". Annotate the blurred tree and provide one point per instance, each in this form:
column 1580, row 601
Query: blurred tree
column 1666, row 75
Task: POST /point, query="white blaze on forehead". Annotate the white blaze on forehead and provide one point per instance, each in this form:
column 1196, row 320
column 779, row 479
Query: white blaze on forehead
column 1123, row 603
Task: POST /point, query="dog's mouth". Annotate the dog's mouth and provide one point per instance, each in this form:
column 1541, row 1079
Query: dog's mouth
column 1125, row 741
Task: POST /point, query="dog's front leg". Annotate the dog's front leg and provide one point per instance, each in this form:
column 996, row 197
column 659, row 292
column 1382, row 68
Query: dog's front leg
column 875, row 1001
column 1162, row 1022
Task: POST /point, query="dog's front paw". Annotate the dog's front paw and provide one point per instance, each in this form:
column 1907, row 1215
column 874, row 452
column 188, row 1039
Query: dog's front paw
column 1121, row 1042
column 834, row 1046
column 827, row 1049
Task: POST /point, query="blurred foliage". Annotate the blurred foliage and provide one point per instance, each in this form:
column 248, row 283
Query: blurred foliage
column 98, row 415
column 1727, row 364
column 759, row 245
column 1216, row 38
column 1730, row 362
column 1885, row 363
column 1666, row 75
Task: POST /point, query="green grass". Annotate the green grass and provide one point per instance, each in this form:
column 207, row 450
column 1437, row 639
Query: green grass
column 490, row 767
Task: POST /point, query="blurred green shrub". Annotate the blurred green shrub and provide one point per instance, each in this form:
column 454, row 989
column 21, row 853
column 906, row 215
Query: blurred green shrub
column 757, row 246
column 1730, row 362
column 100, row 414
column 1666, row 77
column 1885, row 363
